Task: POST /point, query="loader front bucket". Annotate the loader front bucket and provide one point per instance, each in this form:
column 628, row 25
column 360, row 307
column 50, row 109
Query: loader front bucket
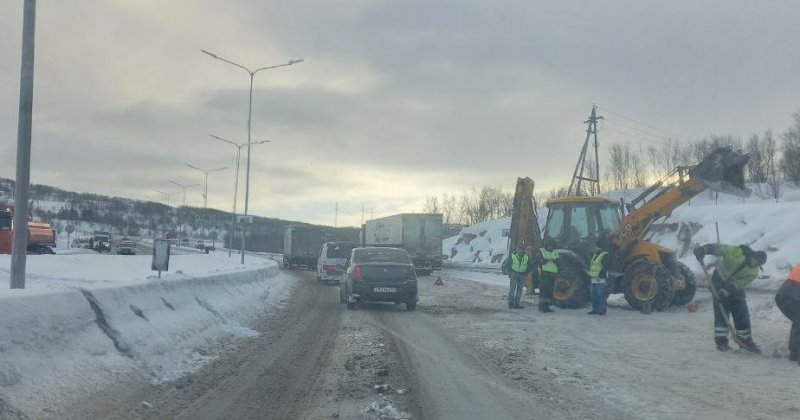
column 723, row 171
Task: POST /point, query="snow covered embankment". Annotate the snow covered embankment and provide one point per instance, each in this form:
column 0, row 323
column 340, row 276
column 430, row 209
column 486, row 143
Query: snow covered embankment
column 77, row 341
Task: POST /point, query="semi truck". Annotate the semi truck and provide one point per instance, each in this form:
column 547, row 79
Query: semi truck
column 301, row 245
column 41, row 236
column 419, row 234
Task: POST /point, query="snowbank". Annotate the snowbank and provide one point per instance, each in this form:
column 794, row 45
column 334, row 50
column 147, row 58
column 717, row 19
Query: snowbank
column 105, row 319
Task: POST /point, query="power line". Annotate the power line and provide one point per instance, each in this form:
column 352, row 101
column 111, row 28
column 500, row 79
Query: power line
column 651, row 126
column 639, row 130
column 635, row 136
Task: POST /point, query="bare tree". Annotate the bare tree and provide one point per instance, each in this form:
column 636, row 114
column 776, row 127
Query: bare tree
column 431, row 205
column 449, row 208
column 790, row 147
column 773, row 176
column 757, row 166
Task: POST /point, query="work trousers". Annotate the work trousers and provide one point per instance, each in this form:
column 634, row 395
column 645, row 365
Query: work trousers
column 788, row 301
column 515, row 288
column 547, row 282
column 598, row 296
column 737, row 307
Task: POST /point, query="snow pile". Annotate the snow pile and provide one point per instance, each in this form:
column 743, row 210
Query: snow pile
column 762, row 224
column 87, row 321
column 484, row 243
column 384, row 410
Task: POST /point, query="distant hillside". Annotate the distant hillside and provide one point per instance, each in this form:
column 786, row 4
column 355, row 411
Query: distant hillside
column 87, row 212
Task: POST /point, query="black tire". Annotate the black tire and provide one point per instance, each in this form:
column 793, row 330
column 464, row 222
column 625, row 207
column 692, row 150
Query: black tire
column 648, row 282
column 682, row 297
column 411, row 305
column 571, row 286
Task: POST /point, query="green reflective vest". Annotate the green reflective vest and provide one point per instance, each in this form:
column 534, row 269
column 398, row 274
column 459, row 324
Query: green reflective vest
column 733, row 258
column 549, row 266
column 596, row 265
column 519, row 263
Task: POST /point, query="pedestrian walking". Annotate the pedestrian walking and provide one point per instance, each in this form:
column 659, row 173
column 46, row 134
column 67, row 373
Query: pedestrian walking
column 517, row 266
column 737, row 266
column 788, row 301
column 598, row 274
column 548, row 264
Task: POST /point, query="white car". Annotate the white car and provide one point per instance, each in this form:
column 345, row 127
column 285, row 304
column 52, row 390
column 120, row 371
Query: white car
column 332, row 257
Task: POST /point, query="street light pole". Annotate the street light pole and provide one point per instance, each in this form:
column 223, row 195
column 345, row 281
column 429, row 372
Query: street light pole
column 205, row 180
column 252, row 74
column 19, row 246
column 183, row 188
column 205, row 186
column 168, row 195
column 236, row 187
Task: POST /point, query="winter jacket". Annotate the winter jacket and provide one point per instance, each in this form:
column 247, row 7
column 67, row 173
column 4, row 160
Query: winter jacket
column 548, row 261
column 732, row 267
column 598, row 266
column 518, row 264
column 791, row 287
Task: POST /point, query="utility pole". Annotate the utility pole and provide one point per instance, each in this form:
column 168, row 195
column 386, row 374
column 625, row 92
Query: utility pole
column 19, row 246
column 577, row 175
column 362, row 213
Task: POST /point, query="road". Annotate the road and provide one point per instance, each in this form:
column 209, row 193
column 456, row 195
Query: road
column 463, row 355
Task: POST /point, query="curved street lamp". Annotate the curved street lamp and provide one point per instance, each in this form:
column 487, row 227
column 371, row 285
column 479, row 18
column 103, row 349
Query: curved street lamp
column 236, row 187
column 252, row 74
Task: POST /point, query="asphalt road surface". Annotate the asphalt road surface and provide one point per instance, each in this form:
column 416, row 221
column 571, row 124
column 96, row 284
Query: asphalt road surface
column 463, row 355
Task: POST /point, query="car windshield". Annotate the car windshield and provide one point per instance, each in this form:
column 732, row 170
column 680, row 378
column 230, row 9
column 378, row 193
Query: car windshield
column 372, row 255
column 339, row 250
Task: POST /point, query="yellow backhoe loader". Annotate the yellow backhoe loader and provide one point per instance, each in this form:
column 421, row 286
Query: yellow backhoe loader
column 647, row 273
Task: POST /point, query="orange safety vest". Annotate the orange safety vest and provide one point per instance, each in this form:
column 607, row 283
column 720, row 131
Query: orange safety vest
column 794, row 275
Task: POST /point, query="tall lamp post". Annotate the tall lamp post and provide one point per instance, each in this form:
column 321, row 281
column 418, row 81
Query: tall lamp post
column 205, row 180
column 252, row 74
column 236, row 187
column 205, row 187
column 183, row 188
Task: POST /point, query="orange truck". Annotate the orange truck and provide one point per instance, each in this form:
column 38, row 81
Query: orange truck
column 41, row 236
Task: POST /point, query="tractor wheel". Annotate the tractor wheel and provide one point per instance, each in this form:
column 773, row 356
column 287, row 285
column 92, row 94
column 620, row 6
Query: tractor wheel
column 571, row 286
column 686, row 295
column 648, row 282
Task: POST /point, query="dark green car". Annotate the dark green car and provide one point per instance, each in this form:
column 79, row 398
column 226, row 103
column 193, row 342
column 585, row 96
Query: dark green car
column 379, row 274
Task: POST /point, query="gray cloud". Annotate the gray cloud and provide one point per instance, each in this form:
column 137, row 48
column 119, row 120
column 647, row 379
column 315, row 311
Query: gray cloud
column 396, row 100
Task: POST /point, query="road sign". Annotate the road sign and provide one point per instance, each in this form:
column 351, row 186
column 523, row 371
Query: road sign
column 161, row 248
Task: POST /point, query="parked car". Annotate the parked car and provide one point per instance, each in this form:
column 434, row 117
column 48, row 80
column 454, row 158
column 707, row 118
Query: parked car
column 82, row 242
column 199, row 245
column 332, row 257
column 101, row 242
column 379, row 274
column 126, row 247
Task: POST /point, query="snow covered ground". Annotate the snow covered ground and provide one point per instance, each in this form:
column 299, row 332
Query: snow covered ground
column 88, row 320
column 763, row 224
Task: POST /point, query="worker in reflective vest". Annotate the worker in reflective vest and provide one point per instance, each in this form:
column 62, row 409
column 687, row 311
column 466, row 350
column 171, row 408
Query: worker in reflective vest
column 517, row 266
column 598, row 273
column 548, row 258
column 737, row 266
column 788, row 301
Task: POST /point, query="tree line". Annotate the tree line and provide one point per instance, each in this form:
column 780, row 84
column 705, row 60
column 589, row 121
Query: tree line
column 774, row 160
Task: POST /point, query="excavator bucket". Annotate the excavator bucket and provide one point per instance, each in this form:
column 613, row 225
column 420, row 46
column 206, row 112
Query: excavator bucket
column 723, row 171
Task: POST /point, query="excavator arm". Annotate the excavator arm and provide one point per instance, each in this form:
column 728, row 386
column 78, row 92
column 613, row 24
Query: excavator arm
column 722, row 170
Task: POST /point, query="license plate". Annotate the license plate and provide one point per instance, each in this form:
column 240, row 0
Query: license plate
column 385, row 290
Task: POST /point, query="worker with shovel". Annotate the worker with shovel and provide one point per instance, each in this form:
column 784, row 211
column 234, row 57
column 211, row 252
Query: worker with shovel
column 737, row 266
column 788, row 301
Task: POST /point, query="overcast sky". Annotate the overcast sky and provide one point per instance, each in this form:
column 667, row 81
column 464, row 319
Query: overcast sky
column 396, row 100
